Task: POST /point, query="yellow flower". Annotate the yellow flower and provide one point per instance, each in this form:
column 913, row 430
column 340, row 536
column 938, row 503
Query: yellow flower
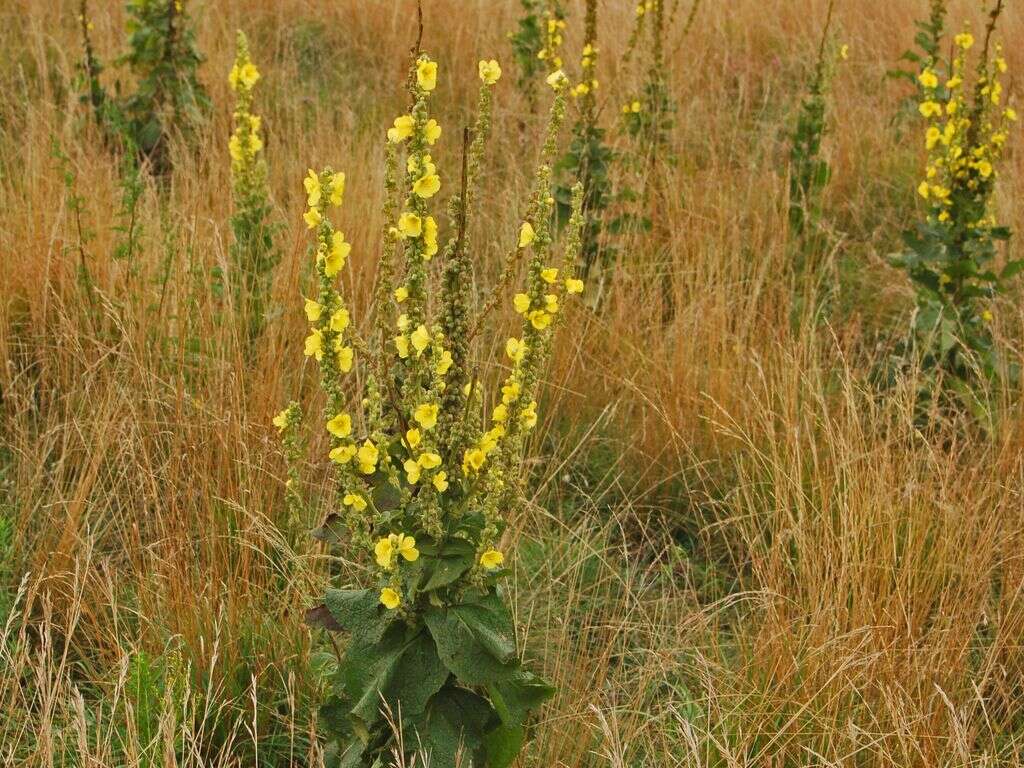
column 427, row 186
column 922, row 189
column 515, row 349
column 551, row 303
column 526, row 234
column 315, row 345
column 410, row 225
column 557, row 79
column 354, row 500
column 412, row 471
column 389, row 598
column 440, row 481
column 383, row 550
column 928, row 79
column 984, row 168
column 540, row 319
column 528, row 418
column 281, row 420
column 510, row 392
column 429, row 460
column 345, row 357
column 412, row 437
column 432, row 131
column 500, row 412
column 573, row 285
column 401, row 294
column 490, row 71
column 1010, row 114
column 248, row 75
column 986, row 316
column 964, row 40
column 426, row 74
column 844, row 52
column 337, row 188
column 343, row 454
column 634, row 107
column 340, row 425
column 549, row 275
column 337, row 255
column 420, row 339
column 402, row 130
column 313, row 310
column 406, row 546
column 235, row 149
column 473, row 459
column 312, row 218
column 521, row 302
column 930, row 109
column 402, row 345
column 367, row 456
column 312, row 185
column 426, row 415
column 491, row 559
column 402, row 323
column 339, row 320
column 444, row 363
column 429, row 237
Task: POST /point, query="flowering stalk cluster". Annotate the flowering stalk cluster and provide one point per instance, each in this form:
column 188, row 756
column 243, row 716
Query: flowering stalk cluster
column 949, row 256
column 253, row 246
column 426, row 478
column 554, row 31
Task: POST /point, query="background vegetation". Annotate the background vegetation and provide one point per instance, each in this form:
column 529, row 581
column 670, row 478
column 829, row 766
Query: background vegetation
column 736, row 554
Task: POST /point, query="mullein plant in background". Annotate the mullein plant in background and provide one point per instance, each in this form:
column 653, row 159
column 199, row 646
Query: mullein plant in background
column 163, row 61
column 809, row 171
column 536, row 43
column 428, row 468
column 950, row 256
column 648, row 115
column 588, row 160
column 252, row 252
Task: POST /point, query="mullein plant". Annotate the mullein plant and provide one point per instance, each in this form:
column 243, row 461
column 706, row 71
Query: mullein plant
column 588, row 158
column 809, row 171
column 648, row 114
column 536, row 44
column 427, row 468
column 253, row 254
column 951, row 253
column 163, row 60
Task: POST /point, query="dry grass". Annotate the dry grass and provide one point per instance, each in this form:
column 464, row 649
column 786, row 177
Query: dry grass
column 737, row 554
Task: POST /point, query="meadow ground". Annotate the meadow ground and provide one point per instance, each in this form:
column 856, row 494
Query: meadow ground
column 736, row 553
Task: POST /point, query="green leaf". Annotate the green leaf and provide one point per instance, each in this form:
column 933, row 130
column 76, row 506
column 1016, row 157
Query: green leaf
column 402, row 669
column 517, row 694
column 332, row 530
column 474, row 639
column 446, row 568
column 452, row 730
column 386, row 497
column 358, row 611
column 1012, row 269
column 502, row 745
